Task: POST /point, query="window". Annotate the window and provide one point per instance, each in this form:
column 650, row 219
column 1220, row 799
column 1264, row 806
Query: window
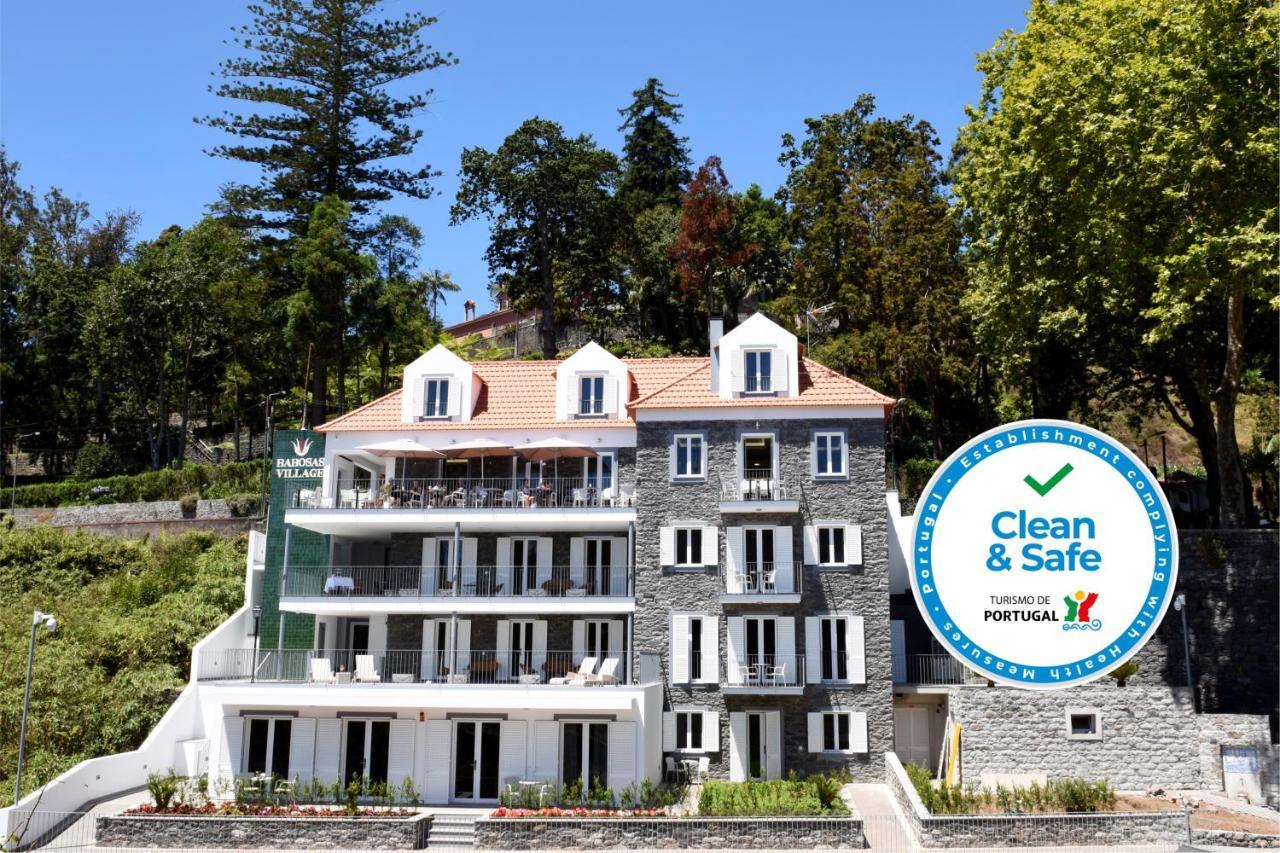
column 597, row 639
column 759, row 371
column 828, row 450
column 591, row 395
column 1084, row 724
column 695, row 648
column 689, row 730
column 835, row 733
column 268, row 747
column 436, row 399
column 831, row 545
column 598, row 565
column 689, row 546
column 689, row 450
column 759, row 574
column 833, row 635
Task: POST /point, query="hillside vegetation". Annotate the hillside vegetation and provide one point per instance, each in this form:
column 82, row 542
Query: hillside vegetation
column 168, row 484
column 128, row 614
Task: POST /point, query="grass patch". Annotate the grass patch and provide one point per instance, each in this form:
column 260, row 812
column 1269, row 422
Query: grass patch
column 1055, row 796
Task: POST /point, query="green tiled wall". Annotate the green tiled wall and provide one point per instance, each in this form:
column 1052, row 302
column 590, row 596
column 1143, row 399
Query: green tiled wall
column 305, row 547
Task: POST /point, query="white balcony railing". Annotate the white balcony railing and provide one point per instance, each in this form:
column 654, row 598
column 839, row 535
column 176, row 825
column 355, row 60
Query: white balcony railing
column 765, row 671
column 763, row 579
column 503, row 582
column 754, row 486
column 464, row 493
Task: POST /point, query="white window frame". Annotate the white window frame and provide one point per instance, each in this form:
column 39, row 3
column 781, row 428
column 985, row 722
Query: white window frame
column 441, row 413
column 593, row 466
column 763, row 378
column 591, row 406
column 1095, row 713
column 690, row 457
column 831, row 654
column 271, row 719
column 843, row 456
column 689, row 714
column 830, row 531
column 833, row 719
column 688, row 531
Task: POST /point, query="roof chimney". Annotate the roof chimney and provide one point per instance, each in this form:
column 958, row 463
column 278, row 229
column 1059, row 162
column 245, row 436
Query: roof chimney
column 715, row 331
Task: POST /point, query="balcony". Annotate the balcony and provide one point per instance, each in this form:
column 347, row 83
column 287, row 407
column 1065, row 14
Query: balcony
column 758, row 491
column 477, row 589
column 764, row 674
column 372, row 669
column 932, row 670
column 763, row 583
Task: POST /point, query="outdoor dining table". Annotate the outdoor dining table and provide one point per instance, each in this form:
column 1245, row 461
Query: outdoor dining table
column 335, row 584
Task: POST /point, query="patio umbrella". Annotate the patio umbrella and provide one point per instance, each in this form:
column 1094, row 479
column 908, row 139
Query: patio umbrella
column 553, row 448
column 476, row 448
column 404, row 447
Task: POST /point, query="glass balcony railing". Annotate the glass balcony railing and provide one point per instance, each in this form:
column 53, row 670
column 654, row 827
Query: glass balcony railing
column 503, row 582
column 467, row 493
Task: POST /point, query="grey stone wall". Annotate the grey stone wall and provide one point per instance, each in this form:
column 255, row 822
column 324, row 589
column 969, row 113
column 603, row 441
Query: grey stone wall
column 278, row 833
column 118, row 513
column 865, row 590
column 1149, row 734
column 1216, row 838
column 1219, row 730
column 692, row 833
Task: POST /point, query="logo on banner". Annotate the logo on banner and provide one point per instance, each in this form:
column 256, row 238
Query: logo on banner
column 1043, row 555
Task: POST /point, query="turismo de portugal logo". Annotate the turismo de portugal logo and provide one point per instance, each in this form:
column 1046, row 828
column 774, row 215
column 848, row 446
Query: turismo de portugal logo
column 1044, row 554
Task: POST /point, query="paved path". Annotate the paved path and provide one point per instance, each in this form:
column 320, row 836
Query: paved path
column 882, row 821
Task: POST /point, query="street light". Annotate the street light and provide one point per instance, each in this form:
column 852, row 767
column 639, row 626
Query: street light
column 257, row 629
column 51, row 625
column 1180, row 605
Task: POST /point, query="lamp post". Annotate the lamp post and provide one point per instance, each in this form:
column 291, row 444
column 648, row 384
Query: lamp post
column 257, row 629
column 51, row 625
column 1180, row 605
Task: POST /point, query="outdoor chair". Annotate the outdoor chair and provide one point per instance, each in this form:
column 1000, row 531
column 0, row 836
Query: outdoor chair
column 608, row 673
column 675, row 770
column 322, row 671
column 775, row 674
column 365, row 670
column 586, row 671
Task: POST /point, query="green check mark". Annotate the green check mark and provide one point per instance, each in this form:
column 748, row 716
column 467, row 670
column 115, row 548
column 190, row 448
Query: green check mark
column 1044, row 488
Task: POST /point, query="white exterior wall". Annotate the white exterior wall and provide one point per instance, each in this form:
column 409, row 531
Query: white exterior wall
column 592, row 359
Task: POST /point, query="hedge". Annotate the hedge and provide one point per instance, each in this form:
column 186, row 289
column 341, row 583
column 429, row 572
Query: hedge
column 169, row 484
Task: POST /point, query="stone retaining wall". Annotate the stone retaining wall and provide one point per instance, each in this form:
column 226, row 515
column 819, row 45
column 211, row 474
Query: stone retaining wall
column 279, row 833
column 117, row 513
column 1029, row 830
column 743, row 833
column 1227, row 838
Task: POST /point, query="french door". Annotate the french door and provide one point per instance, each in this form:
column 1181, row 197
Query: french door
column 357, row 643
column 762, row 646
column 367, row 750
column 597, row 473
column 584, row 755
column 521, row 650
column 757, row 767
column 524, row 565
column 598, row 554
column 475, row 760
column 758, row 559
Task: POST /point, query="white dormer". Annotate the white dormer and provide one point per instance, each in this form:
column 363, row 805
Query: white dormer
column 591, row 384
column 758, row 358
column 438, row 386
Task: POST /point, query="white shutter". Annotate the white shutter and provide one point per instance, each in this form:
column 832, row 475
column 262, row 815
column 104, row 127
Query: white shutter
column 773, row 744
column 702, row 443
column 739, row 371
column 815, row 732
column 462, row 648
column 858, row 731
column 735, row 546
column 502, row 559
column 503, row 650
column 438, row 746
column 416, row 406
column 455, row 398
column 857, row 651
column 428, row 574
column 618, row 566
column 853, row 544
column 546, row 750
column 786, row 638
column 783, row 557
column 544, row 560
column 622, row 755
column 302, row 748
column 429, row 665
column 617, row 647
column 232, row 746
column 668, row 731
column 737, row 646
column 813, row 457
column 328, row 750
column 672, row 450
column 667, row 546
column 400, row 747
column 812, row 649
column 577, row 560
column 579, row 641
column 539, row 646
column 511, row 752
column 710, row 731
column 469, row 548
column 610, row 396
column 780, row 371
column 737, row 746
column 680, row 649
column 810, row 545
column 710, row 650
column 711, row 546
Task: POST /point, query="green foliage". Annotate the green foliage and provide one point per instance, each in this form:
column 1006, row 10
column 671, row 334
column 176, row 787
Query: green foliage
column 167, row 484
column 815, row 795
column 95, row 461
column 129, row 613
column 244, row 504
column 189, row 502
column 1124, row 672
column 1055, row 796
column 163, row 787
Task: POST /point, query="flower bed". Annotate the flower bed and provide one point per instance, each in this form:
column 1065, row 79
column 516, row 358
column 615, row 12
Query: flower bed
column 578, row 811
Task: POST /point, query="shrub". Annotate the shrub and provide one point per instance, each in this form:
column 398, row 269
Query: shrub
column 94, row 461
column 163, row 787
column 189, row 503
column 243, row 504
column 169, row 484
column 1124, row 672
column 1056, row 795
column 775, row 798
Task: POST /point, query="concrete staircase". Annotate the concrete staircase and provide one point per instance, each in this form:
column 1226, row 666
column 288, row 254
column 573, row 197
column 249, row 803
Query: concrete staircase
column 457, row 832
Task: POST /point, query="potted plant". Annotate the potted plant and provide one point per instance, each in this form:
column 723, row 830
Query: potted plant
column 1123, row 673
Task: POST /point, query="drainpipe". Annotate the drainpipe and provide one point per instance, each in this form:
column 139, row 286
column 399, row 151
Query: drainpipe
column 631, row 617
column 280, row 614
column 455, row 576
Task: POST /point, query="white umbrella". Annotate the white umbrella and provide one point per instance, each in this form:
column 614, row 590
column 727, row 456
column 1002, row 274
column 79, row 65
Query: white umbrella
column 553, row 448
column 476, row 447
column 405, row 447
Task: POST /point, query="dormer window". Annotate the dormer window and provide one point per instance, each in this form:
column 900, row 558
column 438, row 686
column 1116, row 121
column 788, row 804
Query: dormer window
column 590, row 396
column 436, row 399
column 759, row 371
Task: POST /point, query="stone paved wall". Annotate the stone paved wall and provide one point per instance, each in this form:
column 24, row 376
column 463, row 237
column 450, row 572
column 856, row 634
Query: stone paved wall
column 118, row 513
column 279, row 833
column 690, row 833
column 1219, row 730
column 1216, row 838
column 864, row 590
column 1149, row 734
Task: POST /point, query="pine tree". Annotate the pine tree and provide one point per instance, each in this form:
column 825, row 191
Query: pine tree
column 324, row 67
column 656, row 161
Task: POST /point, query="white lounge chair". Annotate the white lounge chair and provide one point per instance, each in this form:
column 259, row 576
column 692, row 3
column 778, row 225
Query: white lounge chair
column 608, row 673
column 585, row 672
column 322, row 671
column 365, row 670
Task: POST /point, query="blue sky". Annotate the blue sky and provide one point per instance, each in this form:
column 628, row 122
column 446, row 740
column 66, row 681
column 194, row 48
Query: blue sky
column 98, row 98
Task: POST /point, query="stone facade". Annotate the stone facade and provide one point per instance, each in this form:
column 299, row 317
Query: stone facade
column 273, row 833
column 859, row 499
column 118, row 513
column 669, row 833
column 1149, row 735
column 1219, row 730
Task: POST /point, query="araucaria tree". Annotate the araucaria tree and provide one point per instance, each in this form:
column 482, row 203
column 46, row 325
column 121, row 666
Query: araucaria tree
column 709, row 249
column 326, row 70
column 1119, row 182
column 552, row 216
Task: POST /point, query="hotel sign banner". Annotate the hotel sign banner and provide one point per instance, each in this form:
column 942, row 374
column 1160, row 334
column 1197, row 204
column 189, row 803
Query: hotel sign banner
column 1044, row 554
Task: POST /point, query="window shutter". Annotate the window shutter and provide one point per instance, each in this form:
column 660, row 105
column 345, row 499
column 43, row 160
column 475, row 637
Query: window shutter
column 737, row 746
column 739, row 370
column 711, row 650
column 671, row 459
column 512, row 742
column 469, row 547
column 427, row 668
column 783, row 554
column 680, row 649
column 773, row 744
column 400, row 752
column 439, row 737
column 812, row 649
column 668, row 731
column 579, row 641
column 302, row 748
column 539, row 645
column 710, row 731
column 735, row 545
column 858, row 731
column 618, row 566
column 815, row 732
column 610, row 396
column 622, row 755
column 546, row 750
column 786, row 636
column 417, row 408
column 328, row 750
column 810, row 545
column 737, row 645
column 232, row 746
column 427, row 578
column 503, row 560
column 813, row 454
column 503, row 649
column 780, row 372
column 577, row 560
column 853, row 544
column 711, row 546
column 544, row 560
column 462, row 648
column 857, row 651
column 667, row 546
column 617, row 647
column 702, row 445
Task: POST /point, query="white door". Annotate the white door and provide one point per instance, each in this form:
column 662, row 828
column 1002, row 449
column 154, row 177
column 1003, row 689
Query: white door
column 911, row 735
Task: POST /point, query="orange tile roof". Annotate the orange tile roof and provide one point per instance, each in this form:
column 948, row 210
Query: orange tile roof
column 521, row 394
